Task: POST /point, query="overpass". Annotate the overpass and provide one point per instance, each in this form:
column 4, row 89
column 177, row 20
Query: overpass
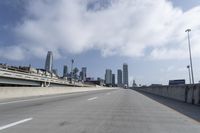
column 12, row 77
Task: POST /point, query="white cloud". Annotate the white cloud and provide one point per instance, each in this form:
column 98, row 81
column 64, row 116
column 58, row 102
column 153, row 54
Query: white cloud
column 12, row 52
column 123, row 27
column 173, row 69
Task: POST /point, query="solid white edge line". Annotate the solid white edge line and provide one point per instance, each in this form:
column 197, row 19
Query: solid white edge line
column 92, row 98
column 15, row 123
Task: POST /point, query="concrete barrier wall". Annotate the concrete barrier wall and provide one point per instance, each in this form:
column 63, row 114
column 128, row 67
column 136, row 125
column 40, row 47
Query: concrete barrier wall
column 184, row 93
column 18, row 92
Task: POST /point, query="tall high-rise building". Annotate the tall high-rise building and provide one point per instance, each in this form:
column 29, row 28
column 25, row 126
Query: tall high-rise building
column 113, row 79
column 65, row 71
column 108, row 77
column 119, row 78
column 83, row 73
column 125, row 75
column 49, row 61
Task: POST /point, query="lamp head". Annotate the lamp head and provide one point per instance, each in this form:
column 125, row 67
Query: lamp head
column 188, row 30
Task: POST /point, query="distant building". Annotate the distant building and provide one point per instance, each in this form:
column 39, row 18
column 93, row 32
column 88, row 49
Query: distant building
column 89, row 79
column 113, row 80
column 99, row 81
column 156, row 85
column 108, row 77
column 65, row 71
column 119, row 78
column 49, row 62
column 83, row 74
column 177, row 82
column 125, row 75
column 80, row 75
column 134, row 84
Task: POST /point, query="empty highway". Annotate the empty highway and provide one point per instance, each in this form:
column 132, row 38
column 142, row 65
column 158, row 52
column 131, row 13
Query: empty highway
column 106, row 111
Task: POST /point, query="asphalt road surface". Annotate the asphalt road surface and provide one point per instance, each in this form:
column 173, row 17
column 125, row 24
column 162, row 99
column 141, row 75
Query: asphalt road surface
column 106, row 111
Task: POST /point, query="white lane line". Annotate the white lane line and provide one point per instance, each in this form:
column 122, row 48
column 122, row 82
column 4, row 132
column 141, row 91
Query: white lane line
column 15, row 123
column 107, row 93
column 92, row 98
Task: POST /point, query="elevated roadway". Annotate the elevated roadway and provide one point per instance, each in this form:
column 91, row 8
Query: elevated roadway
column 103, row 111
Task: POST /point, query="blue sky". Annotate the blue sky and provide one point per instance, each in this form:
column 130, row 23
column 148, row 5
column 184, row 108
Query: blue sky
column 148, row 35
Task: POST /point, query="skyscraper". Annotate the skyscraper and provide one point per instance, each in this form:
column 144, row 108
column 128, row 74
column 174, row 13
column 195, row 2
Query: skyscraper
column 49, row 61
column 119, row 78
column 108, row 77
column 83, row 73
column 113, row 79
column 65, row 71
column 125, row 75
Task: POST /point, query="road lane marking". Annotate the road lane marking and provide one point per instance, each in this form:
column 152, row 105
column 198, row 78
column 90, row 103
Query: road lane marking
column 107, row 93
column 92, row 98
column 15, row 123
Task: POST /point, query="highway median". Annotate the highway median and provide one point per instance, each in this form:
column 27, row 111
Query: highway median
column 20, row 92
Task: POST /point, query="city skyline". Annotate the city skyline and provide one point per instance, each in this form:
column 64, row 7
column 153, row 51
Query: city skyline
column 24, row 40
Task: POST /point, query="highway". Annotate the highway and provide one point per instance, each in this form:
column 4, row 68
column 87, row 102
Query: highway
column 105, row 111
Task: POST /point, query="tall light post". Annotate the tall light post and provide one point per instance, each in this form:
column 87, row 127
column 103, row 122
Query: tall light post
column 189, row 73
column 72, row 73
column 190, row 54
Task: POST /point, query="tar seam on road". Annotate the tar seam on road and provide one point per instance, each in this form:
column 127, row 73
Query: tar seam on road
column 15, row 123
column 92, row 98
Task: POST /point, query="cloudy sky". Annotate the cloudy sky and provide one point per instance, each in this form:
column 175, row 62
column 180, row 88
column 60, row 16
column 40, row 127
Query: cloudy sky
column 149, row 35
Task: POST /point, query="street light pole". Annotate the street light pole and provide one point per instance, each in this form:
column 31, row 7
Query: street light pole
column 189, row 73
column 190, row 54
column 72, row 70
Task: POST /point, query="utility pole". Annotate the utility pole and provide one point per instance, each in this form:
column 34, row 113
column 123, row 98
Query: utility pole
column 191, row 66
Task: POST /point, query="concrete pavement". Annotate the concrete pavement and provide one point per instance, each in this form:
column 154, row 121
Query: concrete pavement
column 105, row 111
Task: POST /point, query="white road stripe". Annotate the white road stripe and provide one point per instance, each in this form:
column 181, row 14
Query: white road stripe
column 15, row 123
column 92, row 98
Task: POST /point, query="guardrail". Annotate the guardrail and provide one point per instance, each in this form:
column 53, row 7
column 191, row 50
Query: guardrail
column 184, row 93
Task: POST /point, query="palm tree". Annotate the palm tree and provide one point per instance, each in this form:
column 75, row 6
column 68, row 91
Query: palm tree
column 75, row 72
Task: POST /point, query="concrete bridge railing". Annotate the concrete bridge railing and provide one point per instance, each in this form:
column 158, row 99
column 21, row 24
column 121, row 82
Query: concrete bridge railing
column 184, row 93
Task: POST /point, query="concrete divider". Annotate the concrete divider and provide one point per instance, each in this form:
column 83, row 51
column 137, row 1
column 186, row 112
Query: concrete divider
column 184, row 93
column 19, row 92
